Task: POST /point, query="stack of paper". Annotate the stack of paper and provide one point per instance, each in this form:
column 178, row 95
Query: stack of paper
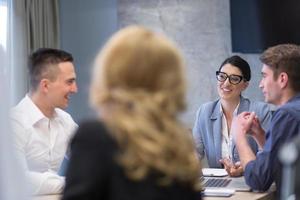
column 214, row 172
column 218, row 192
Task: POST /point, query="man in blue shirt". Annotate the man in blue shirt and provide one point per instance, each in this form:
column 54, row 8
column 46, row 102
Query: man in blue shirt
column 280, row 85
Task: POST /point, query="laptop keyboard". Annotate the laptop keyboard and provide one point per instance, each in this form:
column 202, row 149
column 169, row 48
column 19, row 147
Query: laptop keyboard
column 217, row 182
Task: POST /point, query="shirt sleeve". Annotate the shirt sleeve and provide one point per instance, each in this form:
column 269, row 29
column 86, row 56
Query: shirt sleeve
column 90, row 163
column 198, row 136
column 45, row 183
column 262, row 172
column 72, row 127
column 39, row 183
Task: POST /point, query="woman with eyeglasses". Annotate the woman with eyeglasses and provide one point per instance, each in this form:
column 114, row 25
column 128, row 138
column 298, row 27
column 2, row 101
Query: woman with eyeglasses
column 213, row 122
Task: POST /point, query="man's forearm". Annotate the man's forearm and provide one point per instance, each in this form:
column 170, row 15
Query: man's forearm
column 245, row 152
column 260, row 140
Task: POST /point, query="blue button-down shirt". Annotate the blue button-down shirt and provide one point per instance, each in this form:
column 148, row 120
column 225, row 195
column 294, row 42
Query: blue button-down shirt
column 285, row 125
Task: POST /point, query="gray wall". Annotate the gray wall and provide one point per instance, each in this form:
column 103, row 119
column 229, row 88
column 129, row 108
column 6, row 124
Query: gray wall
column 201, row 29
column 85, row 26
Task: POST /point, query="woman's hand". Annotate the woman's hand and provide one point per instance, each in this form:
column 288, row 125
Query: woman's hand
column 233, row 169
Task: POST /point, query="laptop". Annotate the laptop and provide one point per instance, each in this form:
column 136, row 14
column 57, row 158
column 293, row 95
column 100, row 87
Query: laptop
column 222, row 180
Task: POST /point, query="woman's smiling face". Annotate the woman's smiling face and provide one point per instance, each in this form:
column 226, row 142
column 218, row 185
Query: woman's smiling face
column 227, row 90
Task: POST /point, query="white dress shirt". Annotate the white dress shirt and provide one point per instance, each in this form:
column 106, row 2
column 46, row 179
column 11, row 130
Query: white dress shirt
column 41, row 144
column 226, row 136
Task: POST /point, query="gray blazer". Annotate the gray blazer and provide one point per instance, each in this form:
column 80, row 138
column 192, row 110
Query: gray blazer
column 207, row 131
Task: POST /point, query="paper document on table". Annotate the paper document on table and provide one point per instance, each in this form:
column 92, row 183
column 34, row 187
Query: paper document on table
column 214, row 172
column 218, row 192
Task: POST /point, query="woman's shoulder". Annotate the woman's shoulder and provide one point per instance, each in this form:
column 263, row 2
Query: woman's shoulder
column 255, row 104
column 92, row 125
column 262, row 109
column 260, row 106
column 208, row 106
column 93, row 131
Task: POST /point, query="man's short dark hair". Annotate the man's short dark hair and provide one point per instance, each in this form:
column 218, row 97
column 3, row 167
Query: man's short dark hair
column 284, row 58
column 43, row 64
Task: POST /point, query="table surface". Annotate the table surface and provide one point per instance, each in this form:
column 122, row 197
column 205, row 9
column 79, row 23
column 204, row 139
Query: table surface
column 236, row 196
column 246, row 196
column 47, row 197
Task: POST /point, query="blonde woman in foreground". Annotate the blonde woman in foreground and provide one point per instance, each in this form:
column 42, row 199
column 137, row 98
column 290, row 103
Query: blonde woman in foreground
column 137, row 149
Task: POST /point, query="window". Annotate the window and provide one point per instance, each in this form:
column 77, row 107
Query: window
column 3, row 24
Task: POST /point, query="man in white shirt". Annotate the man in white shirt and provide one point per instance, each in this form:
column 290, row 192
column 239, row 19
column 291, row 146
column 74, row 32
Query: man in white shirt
column 42, row 129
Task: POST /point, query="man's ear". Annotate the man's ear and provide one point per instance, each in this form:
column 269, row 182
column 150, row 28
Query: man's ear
column 283, row 79
column 44, row 85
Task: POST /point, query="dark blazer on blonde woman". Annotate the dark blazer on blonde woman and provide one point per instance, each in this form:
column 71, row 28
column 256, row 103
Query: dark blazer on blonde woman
column 207, row 130
column 93, row 172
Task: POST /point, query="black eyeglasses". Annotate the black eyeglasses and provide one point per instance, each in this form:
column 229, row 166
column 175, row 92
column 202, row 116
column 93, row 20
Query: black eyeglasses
column 233, row 79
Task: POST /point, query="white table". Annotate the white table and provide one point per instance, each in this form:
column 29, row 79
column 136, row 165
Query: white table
column 236, row 196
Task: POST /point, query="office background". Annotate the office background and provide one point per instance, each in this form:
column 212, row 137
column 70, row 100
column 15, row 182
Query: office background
column 201, row 29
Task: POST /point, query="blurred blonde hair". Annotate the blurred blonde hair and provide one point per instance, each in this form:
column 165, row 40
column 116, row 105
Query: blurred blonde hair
column 139, row 87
